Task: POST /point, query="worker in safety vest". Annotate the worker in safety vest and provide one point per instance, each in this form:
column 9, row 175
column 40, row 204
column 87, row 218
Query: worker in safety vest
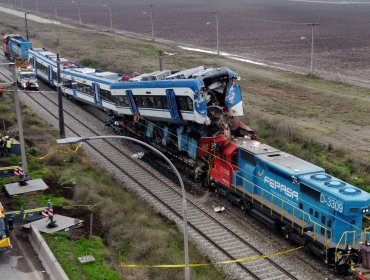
column 8, row 144
column 2, row 143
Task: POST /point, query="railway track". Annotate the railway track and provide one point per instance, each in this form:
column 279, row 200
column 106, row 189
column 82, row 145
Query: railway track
column 232, row 245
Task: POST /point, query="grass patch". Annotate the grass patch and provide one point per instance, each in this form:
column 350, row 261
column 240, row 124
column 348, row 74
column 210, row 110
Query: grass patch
column 336, row 162
column 42, row 200
column 19, row 202
column 67, row 252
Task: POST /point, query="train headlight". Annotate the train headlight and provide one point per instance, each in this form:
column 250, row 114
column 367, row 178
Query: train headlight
column 36, row 84
column 349, row 248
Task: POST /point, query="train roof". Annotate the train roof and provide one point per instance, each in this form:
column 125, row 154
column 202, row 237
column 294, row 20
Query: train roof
column 194, row 84
column 70, row 68
column 282, row 161
column 335, row 187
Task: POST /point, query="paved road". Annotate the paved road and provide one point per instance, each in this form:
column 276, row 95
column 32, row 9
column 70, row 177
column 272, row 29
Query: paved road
column 21, row 263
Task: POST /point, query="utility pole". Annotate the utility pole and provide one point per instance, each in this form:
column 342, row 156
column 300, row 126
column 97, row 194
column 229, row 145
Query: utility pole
column 60, row 101
column 110, row 14
column 55, row 9
column 26, row 24
column 160, row 56
column 217, row 33
column 151, row 18
column 37, row 6
column 109, row 7
column 312, row 43
column 25, row 177
column 218, row 49
column 79, row 10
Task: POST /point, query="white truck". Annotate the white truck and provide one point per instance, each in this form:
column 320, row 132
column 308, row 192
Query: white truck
column 26, row 79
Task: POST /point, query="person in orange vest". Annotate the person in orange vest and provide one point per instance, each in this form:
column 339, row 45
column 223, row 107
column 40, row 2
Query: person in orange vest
column 1, row 92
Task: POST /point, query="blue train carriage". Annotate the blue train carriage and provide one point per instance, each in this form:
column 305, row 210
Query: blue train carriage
column 180, row 97
column 310, row 207
column 85, row 84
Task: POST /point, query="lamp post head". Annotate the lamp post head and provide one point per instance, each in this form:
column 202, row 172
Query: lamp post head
column 71, row 140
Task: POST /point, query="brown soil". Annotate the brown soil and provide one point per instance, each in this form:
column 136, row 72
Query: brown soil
column 262, row 30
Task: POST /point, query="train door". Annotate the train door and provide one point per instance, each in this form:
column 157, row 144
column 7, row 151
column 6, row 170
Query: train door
column 32, row 61
column 132, row 103
column 50, row 74
column 74, row 89
column 223, row 168
column 97, row 96
column 172, row 105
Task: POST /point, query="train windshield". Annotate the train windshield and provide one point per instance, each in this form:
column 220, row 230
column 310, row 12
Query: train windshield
column 2, row 227
column 28, row 76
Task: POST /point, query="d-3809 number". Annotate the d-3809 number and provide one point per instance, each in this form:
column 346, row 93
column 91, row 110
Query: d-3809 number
column 331, row 202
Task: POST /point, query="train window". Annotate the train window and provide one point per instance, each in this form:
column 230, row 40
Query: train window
column 40, row 67
column 311, row 211
column 122, row 100
column 300, row 205
column 310, row 192
column 322, row 231
column 329, row 223
column 328, row 234
column 323, row 219
column 106, row 94
column 55, row 77
column 316, row 214
column 185, row 103
column 67, row 83
column 156, row 102
column 245, row 156
column 85, row 89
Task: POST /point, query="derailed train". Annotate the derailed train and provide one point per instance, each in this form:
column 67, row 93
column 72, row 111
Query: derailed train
column 193, row 115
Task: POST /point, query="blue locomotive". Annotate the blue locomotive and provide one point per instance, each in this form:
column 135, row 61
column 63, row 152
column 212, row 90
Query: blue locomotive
column 310, row 207
column 192, row 115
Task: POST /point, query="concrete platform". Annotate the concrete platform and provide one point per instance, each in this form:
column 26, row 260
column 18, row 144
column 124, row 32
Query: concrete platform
column 64, row 224
column 32, row 186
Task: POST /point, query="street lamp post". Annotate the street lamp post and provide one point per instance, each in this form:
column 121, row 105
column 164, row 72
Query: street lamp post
column 55, row 9
column 151, row 18
column 73, row 140
column 217, row 34
column 26, row 25
column 37, row 6
column 312, row 44
column 25, row 177
column 79, row 10
column 109, row 7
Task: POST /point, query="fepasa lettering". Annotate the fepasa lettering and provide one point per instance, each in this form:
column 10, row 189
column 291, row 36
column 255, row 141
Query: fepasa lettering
column 289, row 192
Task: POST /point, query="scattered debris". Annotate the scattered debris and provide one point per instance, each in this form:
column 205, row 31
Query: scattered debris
column 86, row 259
column 138, row 155
column 218, row 209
